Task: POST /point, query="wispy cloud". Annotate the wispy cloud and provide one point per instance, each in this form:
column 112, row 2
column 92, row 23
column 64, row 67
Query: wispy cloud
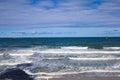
column 60, row 13
column 59, row 18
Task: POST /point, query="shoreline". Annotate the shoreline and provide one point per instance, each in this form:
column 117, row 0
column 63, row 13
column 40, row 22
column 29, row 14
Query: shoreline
column 78, row 76
column 84, row 77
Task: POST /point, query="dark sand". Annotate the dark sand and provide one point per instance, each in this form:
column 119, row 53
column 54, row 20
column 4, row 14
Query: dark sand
column 87, row 78
column 82, row 77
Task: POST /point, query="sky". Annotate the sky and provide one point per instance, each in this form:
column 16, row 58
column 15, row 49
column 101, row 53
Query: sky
column 59, row 18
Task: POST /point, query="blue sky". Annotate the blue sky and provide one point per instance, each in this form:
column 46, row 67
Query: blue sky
column 59, row 18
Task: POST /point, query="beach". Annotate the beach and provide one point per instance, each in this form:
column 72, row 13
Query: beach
column 79, row 77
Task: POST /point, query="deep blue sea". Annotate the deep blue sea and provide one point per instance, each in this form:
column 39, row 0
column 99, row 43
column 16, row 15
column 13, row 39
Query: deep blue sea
column 73, row 41
column 85, row 55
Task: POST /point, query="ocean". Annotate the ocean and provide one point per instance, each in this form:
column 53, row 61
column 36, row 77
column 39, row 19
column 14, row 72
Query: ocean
column 55, row 57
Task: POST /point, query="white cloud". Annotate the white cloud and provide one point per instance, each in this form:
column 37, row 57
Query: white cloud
column 65, row 13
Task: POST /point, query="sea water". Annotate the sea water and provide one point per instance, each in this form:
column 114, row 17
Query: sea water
column 60, row 56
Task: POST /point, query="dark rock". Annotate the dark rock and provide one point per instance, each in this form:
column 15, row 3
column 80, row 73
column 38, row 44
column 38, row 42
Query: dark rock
column 15, row 74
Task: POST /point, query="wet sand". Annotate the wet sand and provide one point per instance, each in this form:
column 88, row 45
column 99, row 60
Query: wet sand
column 86, row 78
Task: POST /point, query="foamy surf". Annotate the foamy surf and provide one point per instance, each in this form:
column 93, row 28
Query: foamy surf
column 59, row 51
column 13, row 63
column 15, row 54
column 18, row 52
column 75, row 48
column 66, row 60
column 44, row 75
column 112, row 48
column 94, row 59
column 65, row 73
column 83, row 59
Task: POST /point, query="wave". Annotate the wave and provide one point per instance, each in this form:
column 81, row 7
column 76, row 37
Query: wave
column 62, row 51
column 13, row 63
column 44, row 75
column 112, row 48
column 94, row 59
column 65, row 59
column 15, row 54
column 59, row 58
column 90, row 47
column 50, row 74
column 74, row 47
column 18, row 52
column 83, row 59
column 64, row 73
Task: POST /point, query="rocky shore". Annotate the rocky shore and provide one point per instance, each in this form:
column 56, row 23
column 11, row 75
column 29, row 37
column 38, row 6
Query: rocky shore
column 14, row 74
column 18, row 74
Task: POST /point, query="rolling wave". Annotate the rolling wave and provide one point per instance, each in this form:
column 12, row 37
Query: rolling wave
column 74, row 47
column 55, row 62
column 94, row 59
column 13, row 63
column 112, row 48
column 62, row 51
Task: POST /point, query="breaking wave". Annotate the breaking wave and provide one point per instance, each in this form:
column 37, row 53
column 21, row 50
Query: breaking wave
column 63, row 60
